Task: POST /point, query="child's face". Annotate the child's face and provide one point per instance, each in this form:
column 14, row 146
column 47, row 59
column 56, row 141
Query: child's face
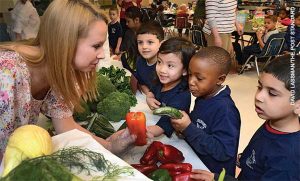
column 272, row 99
column 269, row 24
column 113, row 15
column 131, row 23
column 90, row 48
column 169, row 69
column 204, row 77
column 148, row 45
column 282, row 14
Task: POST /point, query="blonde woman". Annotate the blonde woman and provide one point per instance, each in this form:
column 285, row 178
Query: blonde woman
column 51, row 73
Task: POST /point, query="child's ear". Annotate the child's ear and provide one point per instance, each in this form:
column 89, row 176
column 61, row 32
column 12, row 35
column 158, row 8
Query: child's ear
column 297, row 107
column 221, row 79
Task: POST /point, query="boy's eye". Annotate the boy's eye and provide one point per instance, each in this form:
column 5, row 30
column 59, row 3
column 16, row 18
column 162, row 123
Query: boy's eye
column 272, row 93
column 170, row 66
column 158, row 61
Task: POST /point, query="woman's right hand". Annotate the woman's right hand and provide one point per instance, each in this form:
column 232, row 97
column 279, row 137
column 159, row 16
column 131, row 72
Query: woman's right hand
column 121, row 141
column 151, row 101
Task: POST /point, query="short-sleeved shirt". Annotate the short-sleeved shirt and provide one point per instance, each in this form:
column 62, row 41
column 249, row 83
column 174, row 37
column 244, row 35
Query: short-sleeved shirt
column 17, row 106
column 114, row 33
column 145, row 74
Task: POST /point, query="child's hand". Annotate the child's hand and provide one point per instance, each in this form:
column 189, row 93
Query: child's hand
column 202, row 175
column 259, row 34
column 151, row 101
column 154, row 131
column 180, row 124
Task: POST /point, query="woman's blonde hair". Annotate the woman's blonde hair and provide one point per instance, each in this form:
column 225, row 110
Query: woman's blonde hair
column 63, row 23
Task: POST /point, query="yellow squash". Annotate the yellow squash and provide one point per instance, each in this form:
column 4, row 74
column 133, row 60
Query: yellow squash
column 25, row 142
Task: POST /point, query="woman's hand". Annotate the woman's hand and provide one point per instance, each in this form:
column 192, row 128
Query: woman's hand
column 121, row 141
column 202, row 175
column 180, row 124
column 151, row 101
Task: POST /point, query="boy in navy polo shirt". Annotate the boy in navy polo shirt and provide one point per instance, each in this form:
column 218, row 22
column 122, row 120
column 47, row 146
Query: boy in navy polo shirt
column 273, row 152
column 114, row 31
column 213, row 127
column 149, row 37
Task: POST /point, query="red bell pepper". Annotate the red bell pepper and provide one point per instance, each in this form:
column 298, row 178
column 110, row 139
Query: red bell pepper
column 177, row 167
column 169, row 154
column 136, row 123
column 145, row 169
column 182, row 177
column 150, row 155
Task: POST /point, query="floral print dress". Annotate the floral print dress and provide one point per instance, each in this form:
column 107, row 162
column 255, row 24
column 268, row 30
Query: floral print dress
column 17, row 106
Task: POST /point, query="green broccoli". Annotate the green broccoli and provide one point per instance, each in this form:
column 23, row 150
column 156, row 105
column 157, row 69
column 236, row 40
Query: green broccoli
column 104, row 87
column 115, row 106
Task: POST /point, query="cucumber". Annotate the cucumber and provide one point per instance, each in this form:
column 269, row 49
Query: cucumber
column 100, row 126
column 222, row 175
column 168, row 111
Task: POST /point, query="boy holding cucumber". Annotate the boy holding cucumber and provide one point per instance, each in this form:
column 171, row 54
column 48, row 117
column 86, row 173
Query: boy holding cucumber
column 213, row 127
column 273, row 152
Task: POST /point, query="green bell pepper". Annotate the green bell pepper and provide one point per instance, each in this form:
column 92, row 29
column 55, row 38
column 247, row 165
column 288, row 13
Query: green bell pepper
column 160, row 175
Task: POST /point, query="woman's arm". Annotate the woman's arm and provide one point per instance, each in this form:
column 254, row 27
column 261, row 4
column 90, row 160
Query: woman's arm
column 116, row 143
column 67, row 124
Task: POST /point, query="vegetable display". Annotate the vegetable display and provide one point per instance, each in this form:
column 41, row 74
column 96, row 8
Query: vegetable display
column 58, row 166
column 136, row 123
column 168, row 111
column 113, row 102
column 171, row 167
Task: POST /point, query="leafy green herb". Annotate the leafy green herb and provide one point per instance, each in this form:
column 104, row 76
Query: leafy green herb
column 57, row 166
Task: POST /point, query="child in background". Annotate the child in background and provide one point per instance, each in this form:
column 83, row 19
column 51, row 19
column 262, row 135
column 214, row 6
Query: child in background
column 283, row 17
column 172, row 89
column 213, row 127
column 114, row 31
column 293, row 33
column 124, row 4
column 262, row 36
column 273, row 152
column 149, row 38
column 134, row 19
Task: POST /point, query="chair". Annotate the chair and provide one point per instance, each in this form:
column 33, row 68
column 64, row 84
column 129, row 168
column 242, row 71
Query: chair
column 181, row 23
column 198, row 38
column 272, row 48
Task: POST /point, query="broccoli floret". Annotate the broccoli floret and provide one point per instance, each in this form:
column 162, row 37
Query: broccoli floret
column 104, row 87
column 115, row 106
